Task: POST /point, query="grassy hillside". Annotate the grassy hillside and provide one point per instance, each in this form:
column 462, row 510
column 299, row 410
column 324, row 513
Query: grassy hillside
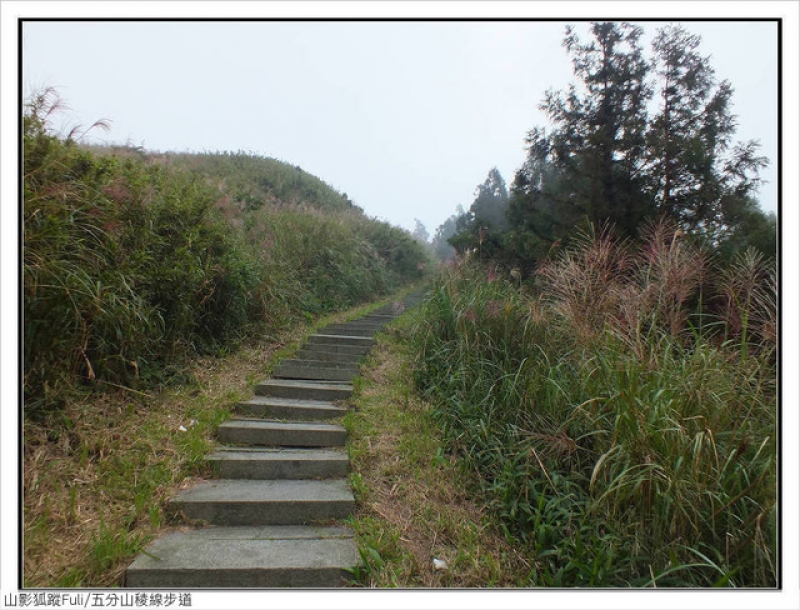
column 135, row 261
column 253, row 181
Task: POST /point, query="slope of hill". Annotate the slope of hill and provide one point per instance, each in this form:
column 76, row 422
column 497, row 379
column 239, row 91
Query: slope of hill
column 134, row 261
column 253, row 181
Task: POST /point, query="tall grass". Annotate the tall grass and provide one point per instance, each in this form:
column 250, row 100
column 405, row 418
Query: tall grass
column 133, row 263
column 330, row 261
column 254, row 182
column 620, row 415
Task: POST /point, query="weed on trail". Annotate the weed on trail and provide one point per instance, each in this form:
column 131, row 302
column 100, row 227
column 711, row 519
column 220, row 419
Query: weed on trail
column 413, row 504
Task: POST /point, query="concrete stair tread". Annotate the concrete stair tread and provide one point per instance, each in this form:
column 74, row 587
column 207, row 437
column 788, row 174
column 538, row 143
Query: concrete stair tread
column 343, row 329
column 266, row 492
column 328, row 375
column 334, row 365
column 306, row 373
column 321, row 356
column 305, row 389
column 282, row 409
column 266, row 453
column 350, row 331
column 270, row 433
column 343, row 340
column 358, row 323
column 359, row 351
column 297, row 384
column 247, row 556
column 234, row 502
column 264, row 463
column 279, row 401
column 365, row 340
column 263, row 424
column 302, row 385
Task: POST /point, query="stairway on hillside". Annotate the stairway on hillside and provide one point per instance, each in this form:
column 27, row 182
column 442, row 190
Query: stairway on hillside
column 272, row 514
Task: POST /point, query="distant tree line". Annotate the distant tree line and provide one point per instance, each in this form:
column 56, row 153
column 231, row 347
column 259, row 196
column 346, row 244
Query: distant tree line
column 634, row 139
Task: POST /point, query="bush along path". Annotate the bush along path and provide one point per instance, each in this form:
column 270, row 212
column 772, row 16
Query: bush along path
column 271, row 517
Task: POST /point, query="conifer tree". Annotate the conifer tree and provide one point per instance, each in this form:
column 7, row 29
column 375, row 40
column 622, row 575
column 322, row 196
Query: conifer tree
column 693, row 177
column 491, row 202
column 598, row 140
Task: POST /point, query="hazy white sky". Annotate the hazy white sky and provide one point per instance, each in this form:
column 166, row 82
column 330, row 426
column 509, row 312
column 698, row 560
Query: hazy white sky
column 405, row 117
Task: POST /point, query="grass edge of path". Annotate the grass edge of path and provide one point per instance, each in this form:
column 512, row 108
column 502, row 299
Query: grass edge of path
column 413, row 505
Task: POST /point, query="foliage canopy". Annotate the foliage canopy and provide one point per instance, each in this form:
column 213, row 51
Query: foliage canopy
column 633, row 139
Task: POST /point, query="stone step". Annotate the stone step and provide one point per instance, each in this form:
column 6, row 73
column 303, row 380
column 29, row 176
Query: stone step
column 359, row 330
column 314, row 373
column 393, row 310
column 346, row 352
column 243, row 557
column 360, row 323
column 274, row 502
column 304, row 390
column 263, row 463
column 349, row 332
column 362, row 342
column 281, row 434
column 288, row 408
column 328, row 364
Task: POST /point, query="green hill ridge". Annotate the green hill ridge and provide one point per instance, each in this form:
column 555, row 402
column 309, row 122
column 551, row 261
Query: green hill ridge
column 135, row 260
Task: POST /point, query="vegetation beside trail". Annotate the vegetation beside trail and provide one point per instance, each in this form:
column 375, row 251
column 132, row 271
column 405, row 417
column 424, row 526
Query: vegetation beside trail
column 157, row 289
column 413, row 502
column 601, row 351
column 98, row 472
column 254, row 182
column 134, row 262
column 618, row 412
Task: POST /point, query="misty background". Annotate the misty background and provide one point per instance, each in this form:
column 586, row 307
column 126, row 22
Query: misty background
column 404, row 117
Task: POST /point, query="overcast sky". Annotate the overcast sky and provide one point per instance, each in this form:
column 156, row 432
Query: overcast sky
column 407, row 118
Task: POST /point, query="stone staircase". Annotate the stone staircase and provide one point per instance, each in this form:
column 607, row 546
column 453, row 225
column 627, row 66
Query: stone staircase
column 269, row 519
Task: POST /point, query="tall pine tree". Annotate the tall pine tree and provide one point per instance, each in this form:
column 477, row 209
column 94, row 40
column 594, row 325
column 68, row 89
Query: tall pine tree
column 692, row 128
column 539, row 210
column 598, row 140
column 491, row 202
column 482, row 226
column 693, row 178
